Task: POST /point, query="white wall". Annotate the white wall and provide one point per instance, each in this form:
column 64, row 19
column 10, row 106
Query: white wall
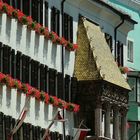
column 39, row 114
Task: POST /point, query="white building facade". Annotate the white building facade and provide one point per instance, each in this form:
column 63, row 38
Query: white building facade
column 33, row 55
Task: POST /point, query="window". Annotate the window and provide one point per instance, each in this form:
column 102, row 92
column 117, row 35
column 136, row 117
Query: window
column 26, row 7
column 25, row 68
column 132, row 83
column 119, row 53
column 18, row 65
column 138, row 89
column 13, row 60
column 67, row 88
column 46, row 14
column 1, row 126
column 6, row 59
column 55, row 20
column 130, row 51
column 68, row 27
column 109, row 40
column 73, row 89
column 132, row 130
column 59, row 85
column 35, row 10
column 1, row 56
column 52, row 82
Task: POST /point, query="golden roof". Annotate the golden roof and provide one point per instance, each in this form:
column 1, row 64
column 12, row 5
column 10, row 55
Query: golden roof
column 94, row 59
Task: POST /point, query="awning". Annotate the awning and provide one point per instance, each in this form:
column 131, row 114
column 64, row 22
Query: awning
column 94, row 60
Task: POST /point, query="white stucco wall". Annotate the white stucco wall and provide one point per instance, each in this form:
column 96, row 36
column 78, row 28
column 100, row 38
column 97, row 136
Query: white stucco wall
column 39, row 114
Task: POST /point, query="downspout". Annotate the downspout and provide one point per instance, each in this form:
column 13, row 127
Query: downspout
column 115, row 36
column 62, row 64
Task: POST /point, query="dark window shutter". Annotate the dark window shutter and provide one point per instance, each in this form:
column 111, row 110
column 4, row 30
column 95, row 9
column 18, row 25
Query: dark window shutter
column 26, row 131
column 18, row 65
column 1, row 45
column 53, row 19
column 57, row 20
column 36, row 76
column 46, row 14
column 7, row 1
column 32, row 73
column 38, row 131
column 59, row 85
column 41, row 11
column 42, row 77
column 18, row 2
column 73, row 89
column 25, row 68
column 33, row 133
column 52, row 82
column 42, row 132
column 67, row 88
column 65, row 26
column 26, row 7
column 35, row 10
column 1, row 126
column 13, row 63
column 6, row 59
column 61, row 136
column 14, row 3
column 46, row 79
column 7, row 124
column 71, row 29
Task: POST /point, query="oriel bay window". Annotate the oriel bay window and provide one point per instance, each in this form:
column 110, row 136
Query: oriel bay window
column 68, row 27
column 55, row 20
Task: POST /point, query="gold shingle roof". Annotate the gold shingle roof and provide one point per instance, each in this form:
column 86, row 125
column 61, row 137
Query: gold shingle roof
column 94, row 60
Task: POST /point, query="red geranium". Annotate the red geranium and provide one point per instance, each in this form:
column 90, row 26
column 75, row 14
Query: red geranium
column 76, row 108
column 37, row 95
column 10, row 10
column 46, row 98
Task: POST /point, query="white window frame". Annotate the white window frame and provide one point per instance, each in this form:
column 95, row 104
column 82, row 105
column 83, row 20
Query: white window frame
column 130, row 50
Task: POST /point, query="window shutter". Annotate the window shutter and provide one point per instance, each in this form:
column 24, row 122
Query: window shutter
column 42, row 77
column 35, row 10
column 71, row 29
column 34, row 73
column 33, row 133
column 73, row 89
column 67, row 88
column 6, row 59
column 36, row 76
column 18, row 65
column 46, row 79
column 53, row 19
column 57, row 21
column 25, row 68
column 7, row 125
column 1, row 45
column 41, row 11
column 26, row 131
column 38, row 131
column 26, row 7
column 52, row 82
column 65, row 26
column 1, row 126
column 18, row 2
column 61, row 136
column 59, row 85
column 13, row 59
column 7, row 1
column 46, row 14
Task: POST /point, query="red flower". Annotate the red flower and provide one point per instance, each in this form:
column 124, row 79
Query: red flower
column 75, row 46
column 19, row 15
column 61, row 103
column 76, row 108
column 29, row 19
column 32, row 92
column 10, row 10
column 17, row 84
column 46, row 98
column 2, row 76
column 37, row 95
column 46, row 32
column 1, row 5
